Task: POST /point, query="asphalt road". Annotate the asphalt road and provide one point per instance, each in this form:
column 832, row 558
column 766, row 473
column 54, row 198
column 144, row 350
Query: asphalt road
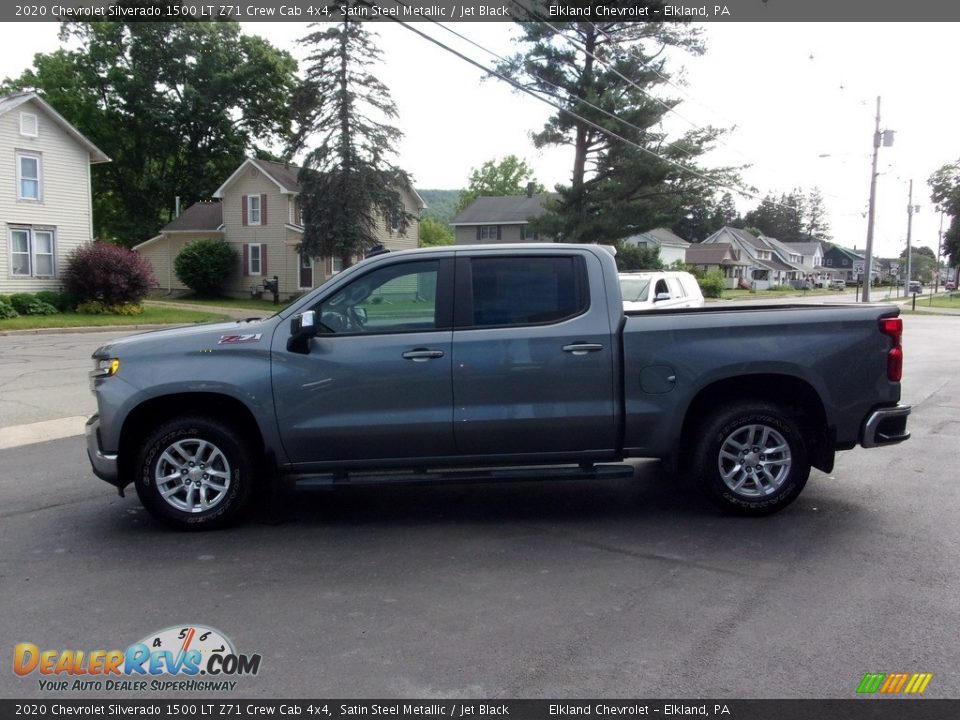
column 613, row 589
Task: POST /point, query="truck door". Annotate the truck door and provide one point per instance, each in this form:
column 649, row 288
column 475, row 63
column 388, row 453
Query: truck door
column 533, row 355
column 375, row 382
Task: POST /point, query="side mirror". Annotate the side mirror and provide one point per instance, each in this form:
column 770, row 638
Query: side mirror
column 661, row 296
column 303, row 327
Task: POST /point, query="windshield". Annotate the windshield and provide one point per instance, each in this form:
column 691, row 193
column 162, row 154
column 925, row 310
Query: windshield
column 634, row 289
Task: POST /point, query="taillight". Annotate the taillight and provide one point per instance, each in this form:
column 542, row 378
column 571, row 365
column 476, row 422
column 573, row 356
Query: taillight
column 893, row 328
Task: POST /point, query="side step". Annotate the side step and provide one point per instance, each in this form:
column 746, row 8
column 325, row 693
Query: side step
column 485, row 475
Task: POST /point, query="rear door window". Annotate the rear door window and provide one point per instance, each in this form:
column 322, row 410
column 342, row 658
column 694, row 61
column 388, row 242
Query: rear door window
column 511, row 291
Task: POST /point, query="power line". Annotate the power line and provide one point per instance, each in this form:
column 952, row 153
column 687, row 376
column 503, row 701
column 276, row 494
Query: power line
column 690, row 171
column 572, row 96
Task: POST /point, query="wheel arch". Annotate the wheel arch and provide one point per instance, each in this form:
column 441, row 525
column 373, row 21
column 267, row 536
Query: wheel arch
column 793, row 394
column 150, row 413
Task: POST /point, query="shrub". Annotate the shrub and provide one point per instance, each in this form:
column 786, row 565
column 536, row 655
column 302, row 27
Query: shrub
column 712, row 284
column 20, row 301
column 97, row 307
column 58, row 299
column 204, row 265
column 38, row 307
column 6, row 309
column 109, row 273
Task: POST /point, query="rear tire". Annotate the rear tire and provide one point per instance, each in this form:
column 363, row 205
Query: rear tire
column 195, row 473
column 750, row 458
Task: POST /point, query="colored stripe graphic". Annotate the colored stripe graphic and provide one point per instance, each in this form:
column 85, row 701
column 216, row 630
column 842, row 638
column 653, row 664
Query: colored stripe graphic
column 894, row 683
column 871, row 682
column 918, row 683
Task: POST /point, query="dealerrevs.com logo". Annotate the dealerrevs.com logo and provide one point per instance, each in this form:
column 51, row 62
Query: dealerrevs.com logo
column 186, row 658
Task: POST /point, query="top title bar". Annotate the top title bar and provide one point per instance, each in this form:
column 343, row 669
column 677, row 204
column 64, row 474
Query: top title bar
column 490, row 11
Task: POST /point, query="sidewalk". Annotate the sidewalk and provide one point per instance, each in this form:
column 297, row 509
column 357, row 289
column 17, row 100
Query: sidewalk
column 231, row 312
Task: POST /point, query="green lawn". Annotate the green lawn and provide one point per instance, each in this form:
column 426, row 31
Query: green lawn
column 242, row 303
column 950, row 300
column 150, row 316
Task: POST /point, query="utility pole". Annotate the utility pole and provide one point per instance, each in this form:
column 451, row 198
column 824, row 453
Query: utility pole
column 909, row 229
column 871, row 210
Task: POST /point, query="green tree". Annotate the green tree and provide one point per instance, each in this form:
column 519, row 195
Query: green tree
column 176, row 106
column 433, row 232
column 635, row 257
column 509, row 176
column 705, row 218
column 348, row 186
column 625, row 172
column 945, row 192
column 204, row 266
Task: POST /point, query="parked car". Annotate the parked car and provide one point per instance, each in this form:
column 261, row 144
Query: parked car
column 916, row 287
column 950, row 285
column 658, row 290
column 467, row 363
column 838, row 284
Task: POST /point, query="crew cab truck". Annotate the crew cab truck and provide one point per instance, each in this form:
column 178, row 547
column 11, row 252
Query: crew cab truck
column 489, row 362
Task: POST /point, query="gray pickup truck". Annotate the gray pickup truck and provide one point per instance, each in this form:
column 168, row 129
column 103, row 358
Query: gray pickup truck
column 485, row 363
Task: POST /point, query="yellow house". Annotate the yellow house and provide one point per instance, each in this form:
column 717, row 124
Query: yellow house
column 257, row 212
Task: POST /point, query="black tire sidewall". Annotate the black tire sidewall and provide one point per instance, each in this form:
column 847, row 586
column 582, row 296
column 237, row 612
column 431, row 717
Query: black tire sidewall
column 719, row 427
column 228, row 510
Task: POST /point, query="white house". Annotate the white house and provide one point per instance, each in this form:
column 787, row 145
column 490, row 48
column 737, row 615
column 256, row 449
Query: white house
column 672, row 247
column 45, row 200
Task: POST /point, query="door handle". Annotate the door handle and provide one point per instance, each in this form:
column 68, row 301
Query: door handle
column 422, row 355
column 582, row 348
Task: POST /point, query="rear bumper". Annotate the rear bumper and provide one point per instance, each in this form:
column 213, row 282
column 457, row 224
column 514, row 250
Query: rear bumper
column 886, row 426
column 104, row 464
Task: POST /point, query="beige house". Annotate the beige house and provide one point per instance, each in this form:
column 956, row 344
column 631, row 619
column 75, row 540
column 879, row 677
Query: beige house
column 45, row 201
column 500, row 219
column 258, row 214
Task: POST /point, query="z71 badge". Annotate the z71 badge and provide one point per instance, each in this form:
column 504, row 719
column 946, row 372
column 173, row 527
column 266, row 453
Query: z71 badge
column 237, row 339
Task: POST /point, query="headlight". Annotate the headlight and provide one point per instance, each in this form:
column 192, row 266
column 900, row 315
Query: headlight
column 103, row 369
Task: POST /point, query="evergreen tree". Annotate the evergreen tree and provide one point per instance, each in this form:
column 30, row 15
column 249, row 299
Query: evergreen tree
column 347, row 184
column 603, row 75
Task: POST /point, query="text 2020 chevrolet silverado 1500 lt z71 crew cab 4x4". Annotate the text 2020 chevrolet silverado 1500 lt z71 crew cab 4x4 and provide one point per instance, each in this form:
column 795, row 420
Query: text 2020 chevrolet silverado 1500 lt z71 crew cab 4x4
column 411, row 365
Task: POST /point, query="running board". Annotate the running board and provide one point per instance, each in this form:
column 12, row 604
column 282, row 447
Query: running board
column 492, row 475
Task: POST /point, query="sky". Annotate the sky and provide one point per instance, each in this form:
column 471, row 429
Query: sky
column 799, row 100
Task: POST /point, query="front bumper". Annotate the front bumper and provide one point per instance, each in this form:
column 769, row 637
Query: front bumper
column 886, row 426
column 104, row 464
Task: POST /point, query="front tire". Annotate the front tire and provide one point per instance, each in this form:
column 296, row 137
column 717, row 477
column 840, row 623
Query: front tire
column 195, row 473
column 751, row 458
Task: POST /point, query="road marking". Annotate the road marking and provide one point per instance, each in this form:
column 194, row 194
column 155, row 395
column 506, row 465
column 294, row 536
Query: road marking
column 38, row 432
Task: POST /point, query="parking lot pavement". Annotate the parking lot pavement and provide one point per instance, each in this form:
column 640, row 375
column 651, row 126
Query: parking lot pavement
column 43, row 378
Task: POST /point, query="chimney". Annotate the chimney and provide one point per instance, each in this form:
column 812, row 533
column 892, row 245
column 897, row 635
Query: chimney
column 531, row 186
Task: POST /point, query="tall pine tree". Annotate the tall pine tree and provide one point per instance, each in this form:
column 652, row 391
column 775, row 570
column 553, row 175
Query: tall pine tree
column 347, row 184
column 604, row 76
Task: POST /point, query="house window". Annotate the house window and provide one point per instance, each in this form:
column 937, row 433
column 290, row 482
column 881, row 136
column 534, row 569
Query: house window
column 395, row 221
column 253, row 210
column 254, row 258
column 336, row 265
column 488, row 232
column 29, row 125
column 828, row 262
column 527, row 234
column 28, row 176
column 32, row 252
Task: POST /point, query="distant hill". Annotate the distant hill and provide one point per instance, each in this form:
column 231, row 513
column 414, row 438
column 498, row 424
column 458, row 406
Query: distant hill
column 440, row 204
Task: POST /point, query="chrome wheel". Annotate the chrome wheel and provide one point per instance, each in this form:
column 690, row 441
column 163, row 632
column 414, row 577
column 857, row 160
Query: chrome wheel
column 754, row 460
column 192, row 475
